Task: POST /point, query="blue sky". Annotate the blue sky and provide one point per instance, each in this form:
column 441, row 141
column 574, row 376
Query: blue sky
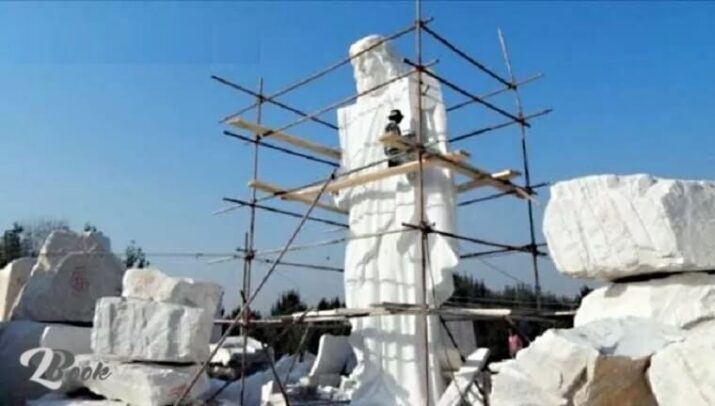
column 108, row 113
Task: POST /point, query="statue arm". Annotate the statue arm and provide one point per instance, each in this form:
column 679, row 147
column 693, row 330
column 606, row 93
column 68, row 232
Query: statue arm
column 341, row 197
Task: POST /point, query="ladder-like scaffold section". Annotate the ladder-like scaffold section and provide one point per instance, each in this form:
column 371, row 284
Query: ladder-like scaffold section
column 280, row 139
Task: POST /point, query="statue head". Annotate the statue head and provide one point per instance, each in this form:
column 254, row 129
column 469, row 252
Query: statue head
column 375, row 66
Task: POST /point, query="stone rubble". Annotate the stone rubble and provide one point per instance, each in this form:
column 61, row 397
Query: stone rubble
column 154, row 338
column 645, row 338
column 152, row 335
column 566, row 366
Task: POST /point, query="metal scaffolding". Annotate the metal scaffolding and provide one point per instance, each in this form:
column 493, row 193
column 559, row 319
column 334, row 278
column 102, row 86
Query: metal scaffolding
column 278, row 139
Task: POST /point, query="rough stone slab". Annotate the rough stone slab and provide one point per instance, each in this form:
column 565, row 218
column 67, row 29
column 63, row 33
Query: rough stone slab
column 16, row 337
column 512, row 387
column 72, row 272
column 143, row 384
column 143, row 330
column 684, row 373
column 12, row 280
column 62, row 242
column 232, row 351
column 333, row 354
column 152, row 284
column 76, row 340
column 236, row 343
column 682, row 300
column 566, row 366
column 608, row 227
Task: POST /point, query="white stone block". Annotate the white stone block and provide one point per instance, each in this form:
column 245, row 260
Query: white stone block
column 152, row 284
column 71, row 273
column 511, row 387
column 682, row 300
column 16, row 337
column 333, row 355
column 267, row 390
column 232, row 349
column 608, row 227
column 236, row 343
column 76, row 340
column 684, row 373
column 143, row 330
column 561, row 366
column 143, row 384
column 12, row 280
column 463, row 387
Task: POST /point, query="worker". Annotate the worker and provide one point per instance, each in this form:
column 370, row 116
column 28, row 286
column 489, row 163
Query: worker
column 514, row 342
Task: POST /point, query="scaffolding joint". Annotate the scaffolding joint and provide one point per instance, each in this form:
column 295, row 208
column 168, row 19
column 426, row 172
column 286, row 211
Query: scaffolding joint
column 423, row 226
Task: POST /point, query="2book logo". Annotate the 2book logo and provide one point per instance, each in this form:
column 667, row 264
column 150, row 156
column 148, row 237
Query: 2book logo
column 56, row 366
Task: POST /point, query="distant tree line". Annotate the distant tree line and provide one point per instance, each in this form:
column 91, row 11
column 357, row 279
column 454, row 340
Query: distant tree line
column 291, row 339
column 469, row 292
column 25, row 239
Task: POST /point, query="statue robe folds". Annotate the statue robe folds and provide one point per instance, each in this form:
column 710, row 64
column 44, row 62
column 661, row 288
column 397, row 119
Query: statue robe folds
column 387, row 268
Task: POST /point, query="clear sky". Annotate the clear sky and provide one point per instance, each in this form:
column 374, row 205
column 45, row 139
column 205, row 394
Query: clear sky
column 108, row 113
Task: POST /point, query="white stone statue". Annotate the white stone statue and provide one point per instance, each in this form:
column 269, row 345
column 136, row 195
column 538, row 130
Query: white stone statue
column 387, row 268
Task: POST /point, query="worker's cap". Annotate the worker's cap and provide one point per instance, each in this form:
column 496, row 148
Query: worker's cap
column 395, row 115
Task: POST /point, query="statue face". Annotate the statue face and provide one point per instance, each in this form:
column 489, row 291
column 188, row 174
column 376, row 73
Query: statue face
column 376, row 66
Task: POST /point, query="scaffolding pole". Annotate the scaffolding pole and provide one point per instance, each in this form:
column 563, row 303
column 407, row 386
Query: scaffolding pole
column 525, row 161
column 311, row 194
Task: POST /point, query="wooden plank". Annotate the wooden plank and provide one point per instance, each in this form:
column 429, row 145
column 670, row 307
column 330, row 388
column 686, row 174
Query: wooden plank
column 402, row 143
column 265, row 187
column 289, row 139
column 358, row 179
column 507, row 174
column 395, row 141
column 479, row 174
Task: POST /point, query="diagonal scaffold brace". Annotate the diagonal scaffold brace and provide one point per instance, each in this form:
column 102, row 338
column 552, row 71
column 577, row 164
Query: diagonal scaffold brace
column 236, row 321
